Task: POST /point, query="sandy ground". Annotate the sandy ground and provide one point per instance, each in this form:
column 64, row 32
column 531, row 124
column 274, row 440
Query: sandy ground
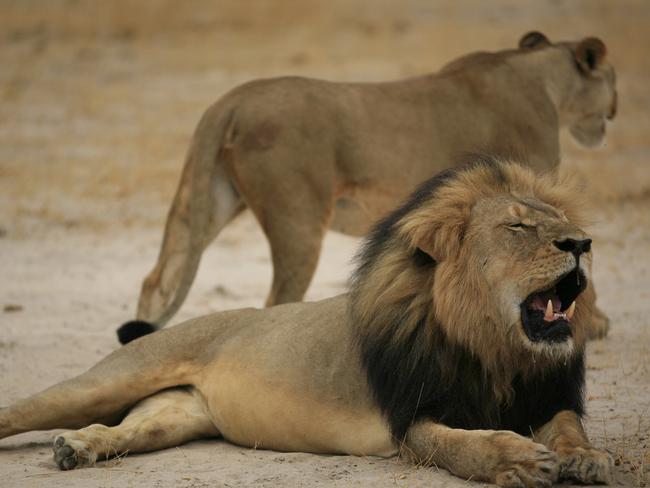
column 97, row 104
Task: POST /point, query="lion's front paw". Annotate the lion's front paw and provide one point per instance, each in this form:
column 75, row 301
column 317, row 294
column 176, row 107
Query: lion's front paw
column 523, row 463
column 585, row 465
column 71, row 453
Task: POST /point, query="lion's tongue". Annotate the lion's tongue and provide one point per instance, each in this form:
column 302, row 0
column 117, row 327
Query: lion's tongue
column 540, row 300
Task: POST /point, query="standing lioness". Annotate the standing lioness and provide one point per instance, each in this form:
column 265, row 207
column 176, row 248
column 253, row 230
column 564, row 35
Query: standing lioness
column 306, row 155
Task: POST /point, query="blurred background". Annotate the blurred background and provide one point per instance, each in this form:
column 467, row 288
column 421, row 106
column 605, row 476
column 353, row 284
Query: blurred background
column 98, row 101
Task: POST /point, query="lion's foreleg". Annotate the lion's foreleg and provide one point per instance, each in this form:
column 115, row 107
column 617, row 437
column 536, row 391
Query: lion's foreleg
column 500, row 457
column 166, row 419
column 578, row 459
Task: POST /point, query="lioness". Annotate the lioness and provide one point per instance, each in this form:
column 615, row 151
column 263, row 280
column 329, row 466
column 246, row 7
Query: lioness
column 462, row 334
column 306, row 155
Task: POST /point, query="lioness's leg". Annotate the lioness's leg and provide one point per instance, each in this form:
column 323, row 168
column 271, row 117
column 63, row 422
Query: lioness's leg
column 294, row 223
column 294, row 252
column 166, row 419
column 598, row 325
column 578, row 459
column 500, row 457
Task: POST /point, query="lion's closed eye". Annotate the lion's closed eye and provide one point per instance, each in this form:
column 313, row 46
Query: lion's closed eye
column 518, row 226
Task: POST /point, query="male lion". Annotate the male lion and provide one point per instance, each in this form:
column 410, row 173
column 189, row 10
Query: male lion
column 305, row 155
column 463, row 333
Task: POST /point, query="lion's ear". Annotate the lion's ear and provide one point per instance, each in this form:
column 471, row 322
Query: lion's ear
column 438, row 232
column 590, row 53
column 533, row 40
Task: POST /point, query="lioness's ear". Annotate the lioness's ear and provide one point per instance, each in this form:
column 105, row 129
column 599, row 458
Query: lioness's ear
column 532, row 40
column 590, row 53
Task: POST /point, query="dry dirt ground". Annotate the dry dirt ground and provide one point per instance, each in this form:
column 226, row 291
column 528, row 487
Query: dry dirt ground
column 97, row 104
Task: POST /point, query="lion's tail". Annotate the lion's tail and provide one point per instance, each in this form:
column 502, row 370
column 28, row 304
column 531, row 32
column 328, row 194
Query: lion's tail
column 205, row 202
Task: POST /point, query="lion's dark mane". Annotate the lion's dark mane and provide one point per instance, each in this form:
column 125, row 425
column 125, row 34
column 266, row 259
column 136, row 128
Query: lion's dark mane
column 443, row 381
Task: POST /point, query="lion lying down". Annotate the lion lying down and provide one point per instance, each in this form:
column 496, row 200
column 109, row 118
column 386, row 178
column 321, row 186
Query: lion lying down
column 463, row 334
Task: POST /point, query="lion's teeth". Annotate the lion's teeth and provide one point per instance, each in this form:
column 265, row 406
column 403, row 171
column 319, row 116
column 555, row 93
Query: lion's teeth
column 571, row 310
column 549, row 315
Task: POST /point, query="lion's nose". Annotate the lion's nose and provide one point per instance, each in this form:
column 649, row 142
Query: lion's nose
column 574, row 246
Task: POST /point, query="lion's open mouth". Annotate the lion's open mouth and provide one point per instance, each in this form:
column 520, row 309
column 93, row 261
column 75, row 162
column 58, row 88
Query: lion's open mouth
column 546, row 315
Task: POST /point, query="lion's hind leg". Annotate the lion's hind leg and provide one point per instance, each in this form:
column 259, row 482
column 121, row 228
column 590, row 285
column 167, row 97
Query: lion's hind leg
column 165, row 419
column 501, row 457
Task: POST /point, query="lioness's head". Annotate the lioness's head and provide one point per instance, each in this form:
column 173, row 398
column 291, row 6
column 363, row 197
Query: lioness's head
column 492, row 255
column 588, row 91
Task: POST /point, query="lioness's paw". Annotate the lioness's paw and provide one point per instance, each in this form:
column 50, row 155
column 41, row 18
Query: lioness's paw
column 598, row 325
column 71, row 453
column 522, row 463
column 585, row 465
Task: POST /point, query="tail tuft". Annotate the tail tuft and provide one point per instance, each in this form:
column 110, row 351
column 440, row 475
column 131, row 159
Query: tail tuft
column 133, row 329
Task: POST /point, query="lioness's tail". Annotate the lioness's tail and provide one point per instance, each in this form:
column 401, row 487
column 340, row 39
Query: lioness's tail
column 205, row 202
column 113, row 385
